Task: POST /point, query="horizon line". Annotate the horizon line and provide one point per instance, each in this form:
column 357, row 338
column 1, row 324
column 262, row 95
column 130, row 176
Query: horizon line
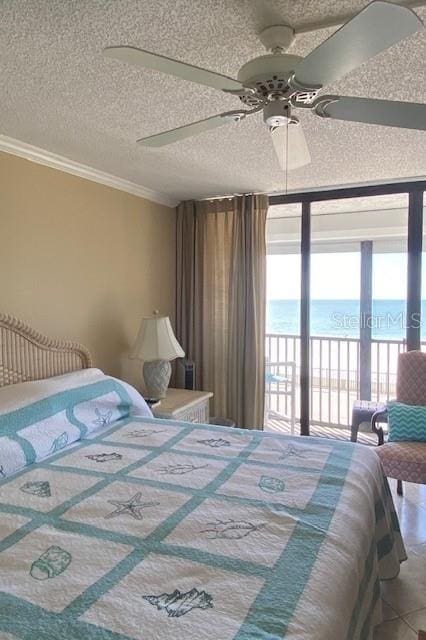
column 338, row 299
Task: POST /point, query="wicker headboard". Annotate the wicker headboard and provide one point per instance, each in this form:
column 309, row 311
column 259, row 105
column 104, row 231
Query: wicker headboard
column 25, row 354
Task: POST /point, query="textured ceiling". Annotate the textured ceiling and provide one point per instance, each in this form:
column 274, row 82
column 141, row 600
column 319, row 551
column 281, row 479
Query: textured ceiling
column 59, row 92
column 345, row 205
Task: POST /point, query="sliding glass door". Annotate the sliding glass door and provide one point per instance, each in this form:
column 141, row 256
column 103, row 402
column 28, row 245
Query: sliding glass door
column 335, row 312
column 389, row 295
column 282, row 366
column 355, row 254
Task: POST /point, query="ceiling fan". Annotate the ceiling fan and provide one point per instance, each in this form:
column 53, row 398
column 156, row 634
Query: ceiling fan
column 278, row 83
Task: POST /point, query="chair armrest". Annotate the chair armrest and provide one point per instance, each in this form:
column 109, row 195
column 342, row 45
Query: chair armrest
column 378, row 430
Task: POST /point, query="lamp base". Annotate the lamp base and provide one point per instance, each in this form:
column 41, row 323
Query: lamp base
column 157, row 377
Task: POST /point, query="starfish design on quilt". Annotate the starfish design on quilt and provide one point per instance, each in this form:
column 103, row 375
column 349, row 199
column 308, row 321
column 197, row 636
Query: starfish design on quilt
column 180, row 469
column 103, row 419
column 105, row 457
column 231, row 529
column 178, row 604
column 142, row 433
column 215, row 443
column 59, row 443
column 132, row 507
column 291, row 451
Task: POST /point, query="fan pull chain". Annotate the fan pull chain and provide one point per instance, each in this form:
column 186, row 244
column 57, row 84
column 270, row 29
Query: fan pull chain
column 286, row 158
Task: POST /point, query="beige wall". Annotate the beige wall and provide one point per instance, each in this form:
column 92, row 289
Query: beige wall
column 82, row 261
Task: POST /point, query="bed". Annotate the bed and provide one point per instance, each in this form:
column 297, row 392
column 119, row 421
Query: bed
column 118, row 526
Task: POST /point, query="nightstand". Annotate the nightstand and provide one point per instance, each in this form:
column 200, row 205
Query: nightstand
column 185, row 405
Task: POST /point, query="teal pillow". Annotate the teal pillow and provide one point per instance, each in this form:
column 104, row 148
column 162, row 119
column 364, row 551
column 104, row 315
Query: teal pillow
column 407, row 422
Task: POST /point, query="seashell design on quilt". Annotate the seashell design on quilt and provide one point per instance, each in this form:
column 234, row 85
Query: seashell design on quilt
column 40, row 488
column 51, row 563
column 143, row 433
column 178, row 604
column 215, row 443
column 180, row 469
column 102, row 419
column 59, row 443
column 231, row 529
column 105, row 457
column 269, row 484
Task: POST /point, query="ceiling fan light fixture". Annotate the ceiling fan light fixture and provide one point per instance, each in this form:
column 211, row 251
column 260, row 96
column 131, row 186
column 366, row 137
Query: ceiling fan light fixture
column 276, row 113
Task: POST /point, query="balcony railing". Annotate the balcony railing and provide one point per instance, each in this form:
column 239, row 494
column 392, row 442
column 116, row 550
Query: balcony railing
column 335, row 374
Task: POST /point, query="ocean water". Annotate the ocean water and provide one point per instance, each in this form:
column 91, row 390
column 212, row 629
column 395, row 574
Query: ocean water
column 342, row 318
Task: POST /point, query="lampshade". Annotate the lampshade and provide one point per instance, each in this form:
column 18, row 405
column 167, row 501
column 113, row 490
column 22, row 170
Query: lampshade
column 156, row 340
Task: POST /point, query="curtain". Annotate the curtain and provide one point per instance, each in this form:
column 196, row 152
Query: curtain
column 221, row 297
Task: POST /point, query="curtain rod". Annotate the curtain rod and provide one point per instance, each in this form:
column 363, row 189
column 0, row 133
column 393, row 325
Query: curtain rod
column 338, row 213
column 232, row 195
column 402, row 185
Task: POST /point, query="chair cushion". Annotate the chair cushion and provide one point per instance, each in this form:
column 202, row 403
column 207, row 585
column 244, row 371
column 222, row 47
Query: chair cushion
column 404, row 460
column 407, row 422
column 411, row 378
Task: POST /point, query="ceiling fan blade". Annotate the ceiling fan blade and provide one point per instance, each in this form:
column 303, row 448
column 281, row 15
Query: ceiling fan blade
column 148, row 60
column 193, row 129
column 294, row 152
column 408, row 115
column 374, row 29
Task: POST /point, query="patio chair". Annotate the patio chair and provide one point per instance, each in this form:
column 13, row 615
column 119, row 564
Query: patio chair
column 284, row 385
column 405, row 461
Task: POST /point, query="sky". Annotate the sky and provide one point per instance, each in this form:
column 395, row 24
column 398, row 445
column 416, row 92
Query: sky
column 335, row 276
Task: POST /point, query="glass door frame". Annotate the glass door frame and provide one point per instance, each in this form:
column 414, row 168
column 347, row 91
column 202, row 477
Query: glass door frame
column 415, row 190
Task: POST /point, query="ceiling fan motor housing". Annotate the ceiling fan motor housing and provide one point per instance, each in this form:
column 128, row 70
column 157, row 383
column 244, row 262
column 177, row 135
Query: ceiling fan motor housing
column 268, row 76
column 270, row 70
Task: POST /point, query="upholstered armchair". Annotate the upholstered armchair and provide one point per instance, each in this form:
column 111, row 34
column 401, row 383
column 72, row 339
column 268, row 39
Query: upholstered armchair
column 405, row 461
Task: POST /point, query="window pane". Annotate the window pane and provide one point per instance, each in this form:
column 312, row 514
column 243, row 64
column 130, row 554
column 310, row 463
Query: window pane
column 340, row 228
column 282, row 401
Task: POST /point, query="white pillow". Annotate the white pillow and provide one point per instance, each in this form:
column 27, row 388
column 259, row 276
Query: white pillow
column 39, row 418
column 19, row 395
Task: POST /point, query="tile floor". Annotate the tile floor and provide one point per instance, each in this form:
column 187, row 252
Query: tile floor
column 404, row 598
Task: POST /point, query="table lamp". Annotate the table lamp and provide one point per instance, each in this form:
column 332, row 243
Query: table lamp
column 156, row 345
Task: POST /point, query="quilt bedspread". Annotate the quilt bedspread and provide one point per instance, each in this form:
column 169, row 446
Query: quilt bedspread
column 159, row 530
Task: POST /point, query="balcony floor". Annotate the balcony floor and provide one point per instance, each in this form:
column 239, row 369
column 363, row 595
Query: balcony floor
column 280, row 425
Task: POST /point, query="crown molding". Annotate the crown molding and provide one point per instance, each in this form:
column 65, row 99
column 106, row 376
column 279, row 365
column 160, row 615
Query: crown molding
column 54, row 161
